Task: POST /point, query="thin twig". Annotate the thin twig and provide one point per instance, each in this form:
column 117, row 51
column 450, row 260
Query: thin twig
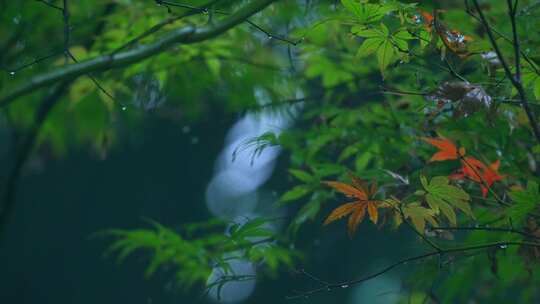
column 97, row 84
column 347, row 284
column 67, row 30
column 503, row 36
column 157, row 27
column 516, row 82
column 101, row 63
column 222, row 12
column 424, row 238
column 492, row 229
column 31, row 63
column 50, row 5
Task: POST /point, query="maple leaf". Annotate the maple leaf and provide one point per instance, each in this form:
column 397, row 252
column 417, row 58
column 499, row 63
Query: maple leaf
column 475, row 170
column 364, row 203
column 426, row 18
column 453, row 40
column 415, row 212
column 443, row 197
column 448, row 150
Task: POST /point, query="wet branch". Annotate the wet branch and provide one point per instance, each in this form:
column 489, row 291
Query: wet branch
column 186, row 35
column 346, row 284
column 515, row 79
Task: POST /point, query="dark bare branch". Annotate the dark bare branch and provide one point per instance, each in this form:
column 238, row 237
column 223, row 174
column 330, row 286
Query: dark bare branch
column 516, row 82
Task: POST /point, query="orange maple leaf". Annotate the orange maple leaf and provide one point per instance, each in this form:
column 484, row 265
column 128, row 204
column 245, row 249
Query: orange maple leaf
column 426, row 18
column 447, row 149
column 454, row 40
column 478, row 172
column 364, row 201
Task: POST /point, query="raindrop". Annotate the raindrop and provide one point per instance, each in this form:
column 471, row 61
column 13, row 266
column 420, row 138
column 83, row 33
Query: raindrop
column 205, row 11
column 186, row 129
column 124, row 108
column 503, row 246
column 344, row 286
column 12, row 73
column 269, row 37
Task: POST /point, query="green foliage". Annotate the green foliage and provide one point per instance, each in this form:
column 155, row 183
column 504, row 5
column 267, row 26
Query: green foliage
column 190, row 258
column 440, row 196
column 525, row 202
column 194, row 253
column 323, row 61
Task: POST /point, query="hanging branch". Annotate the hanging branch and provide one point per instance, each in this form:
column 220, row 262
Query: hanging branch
column 348, row 284
column 102, row 63
column 515, row 79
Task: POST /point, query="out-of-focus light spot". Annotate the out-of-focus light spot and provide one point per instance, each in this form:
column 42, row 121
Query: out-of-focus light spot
column 236, row 290
column 230, row 194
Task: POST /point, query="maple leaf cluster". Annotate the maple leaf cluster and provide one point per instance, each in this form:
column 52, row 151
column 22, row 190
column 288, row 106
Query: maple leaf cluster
column 471, row 168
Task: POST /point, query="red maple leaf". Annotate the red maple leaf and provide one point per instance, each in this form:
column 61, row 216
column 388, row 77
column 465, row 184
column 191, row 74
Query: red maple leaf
column 447, row 149
column 478, row 172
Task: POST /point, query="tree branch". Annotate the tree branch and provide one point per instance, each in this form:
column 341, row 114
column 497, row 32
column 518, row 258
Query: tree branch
column 24, row 149
column 347, row 284
column 66, row 15
column 516, row 82
column 491, row 229
column 106, row 62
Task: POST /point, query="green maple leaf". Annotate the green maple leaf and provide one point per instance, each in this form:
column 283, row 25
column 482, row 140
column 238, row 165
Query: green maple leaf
column 443, row 197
